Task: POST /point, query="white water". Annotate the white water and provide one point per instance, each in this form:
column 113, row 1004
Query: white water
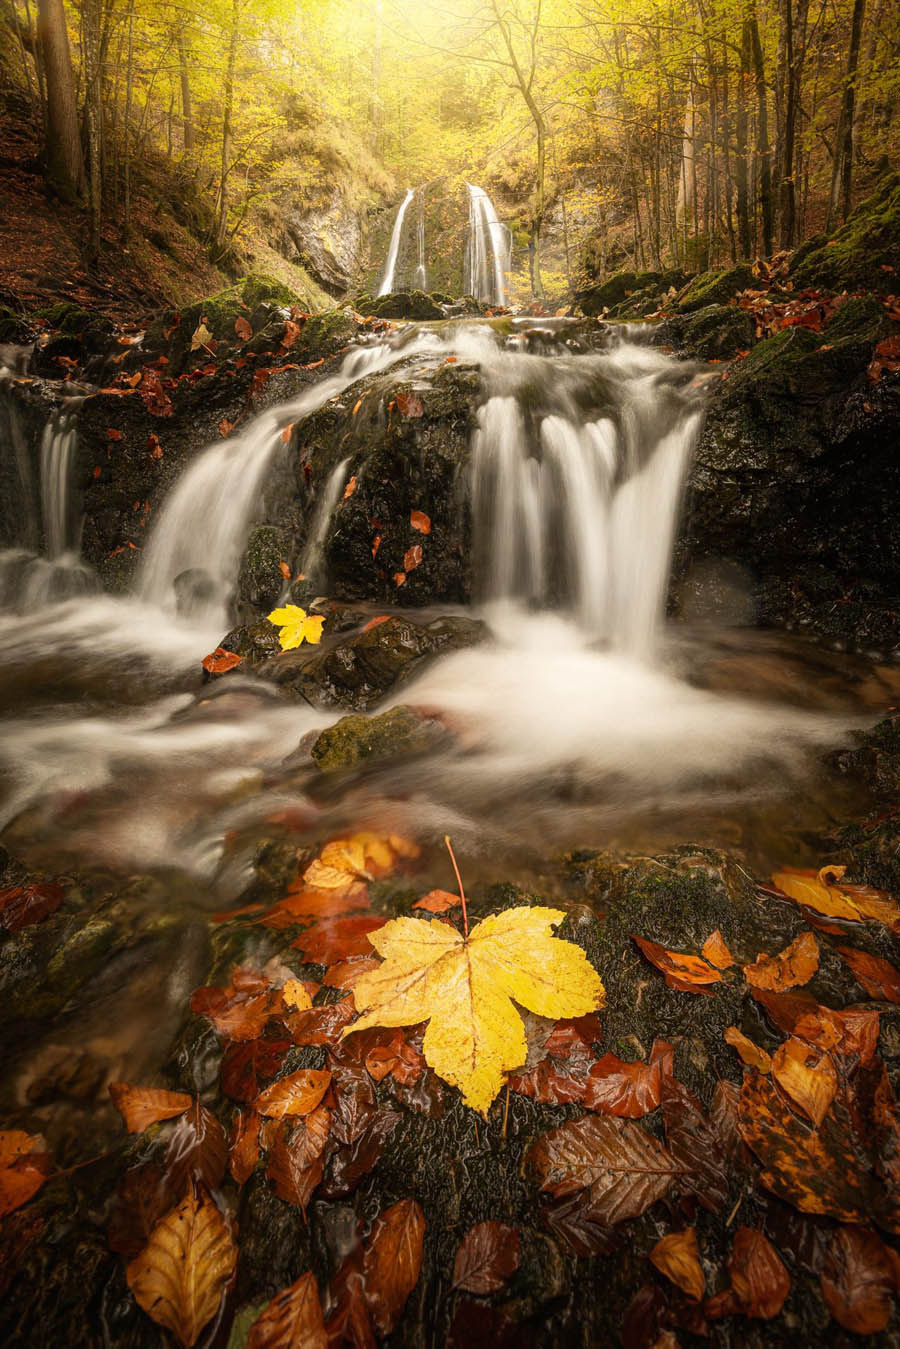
column 487, row 251
column 421, row 270
column 204, row 522
column 387, row 281
column 61, row 532
column 331, row 494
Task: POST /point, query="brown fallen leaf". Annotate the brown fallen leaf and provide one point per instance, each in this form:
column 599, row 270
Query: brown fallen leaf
column 849, row 901
column 486, row 1258
column 438, row 901
column 750, row 1053
column 142, row 1106
column 292, row 1320
column 807, row 1076
column 687, row 973
column 759, row 1281
column 23, row 905
column 244, row 1152
column 179, row 1278
column 24, row 1166
column 412, row 558
column 340, row 939
column 349, row 489
column 694, row 1145
column 852, row 1031
column 420, row 521
column 296, row 1163
column 243, row 329
column 629, row 1090
column 410, row 405
column 858, row 1280
column 678, row 1257
column 624, row 1166
column 197, row 1150
column 392, row 1261
column 791, row 968
column 716, row 952
column 347, row 972
column 297, row 1094
column 878, row 977
column 220, row 661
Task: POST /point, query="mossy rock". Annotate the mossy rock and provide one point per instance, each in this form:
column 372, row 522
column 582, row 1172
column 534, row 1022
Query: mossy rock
column 356, row 740
column 253, row 642
column 717, row 333
column 261, row 578
column 91, row 330
column 14, row 328
column 861, row 319
column 717, row 287
column 323, row 335
column 413, row 305
column 864, row 254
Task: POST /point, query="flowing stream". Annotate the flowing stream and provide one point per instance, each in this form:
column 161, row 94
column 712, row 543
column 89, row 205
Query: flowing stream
column 582, row 719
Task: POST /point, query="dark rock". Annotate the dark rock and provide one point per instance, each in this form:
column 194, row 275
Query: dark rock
column 253, row 642
column 358, row 671
column 626, row 293
column 413, row 304
column 261, row 578
column 14, row 329
column 715, row 333
column 355, row 741
column 863, row 255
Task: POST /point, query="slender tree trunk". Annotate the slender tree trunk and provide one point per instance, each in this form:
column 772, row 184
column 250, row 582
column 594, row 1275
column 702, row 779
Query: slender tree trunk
column 187, row 119
column 766, row 204
column 129, row 95
column 742, row 174
column 65, row 163
column 227, row 130
column 842, row 173
column 726, row 155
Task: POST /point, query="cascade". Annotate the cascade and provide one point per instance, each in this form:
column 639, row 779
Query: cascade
column 62, row 533
column 390, row 267
column 421, row 270
column 487, row 250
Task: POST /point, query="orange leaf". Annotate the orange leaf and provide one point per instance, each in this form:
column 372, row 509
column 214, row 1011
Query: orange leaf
column 807, row 1076
column 349, row 489
column 678, row 1257
column 399, row 578
column 225, row 428
column 410, row 404
column 220, row 660
column 687, row 973
column 420, row 521
column 286, row 432
column 412, row 558
column 243, row 329
column 285, row 570
column 24, row 1166
column 297, row 1094
column 437, row 901
column 142, row 1106
column 716, row 952
column 878, row 977
column 794, row 966
column 292, row 1320
column 392, row 1262
column 245, row 1148
column 345, row 974
column 376, row 622
column 759, row 1281
column 750, row 1053
column 628, row 1090
column 858, row 1280
column 295, row 1162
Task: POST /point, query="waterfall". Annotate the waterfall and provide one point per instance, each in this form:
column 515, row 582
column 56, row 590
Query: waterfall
column 574, row 504
column 205, row 520
column 421, row 271
column 62, row 532
column 390, row 267
column 487, row 250
column 312, row 556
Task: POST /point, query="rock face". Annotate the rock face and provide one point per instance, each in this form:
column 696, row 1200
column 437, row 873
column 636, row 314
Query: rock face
column 863, row 255
column 331, row 242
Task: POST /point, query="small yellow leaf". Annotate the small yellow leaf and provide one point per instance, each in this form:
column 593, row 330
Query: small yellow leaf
column 296, row 996
column 296, row 626
column 464, row 988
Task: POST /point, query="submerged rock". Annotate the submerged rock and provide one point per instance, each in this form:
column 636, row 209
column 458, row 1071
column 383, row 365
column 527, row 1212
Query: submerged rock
column 355, row 741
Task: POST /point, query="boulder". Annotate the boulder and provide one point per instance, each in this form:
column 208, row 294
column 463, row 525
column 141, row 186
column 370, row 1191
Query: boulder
column 355, row 741
column 715, row 287
column 864, row 254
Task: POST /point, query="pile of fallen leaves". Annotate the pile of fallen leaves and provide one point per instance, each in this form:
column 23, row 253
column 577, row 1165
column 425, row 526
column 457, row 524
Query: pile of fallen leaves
column 510, row 1008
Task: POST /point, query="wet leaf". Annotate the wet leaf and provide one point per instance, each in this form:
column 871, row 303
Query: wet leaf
column 694, row 1146
column 486, row 1258
column 630, row 1090
column 412, row 558
column 349, row 489
column 818, row 1171
column 142, row 1106
column 438, row 901
column 296, row 626
column 807, row 1076
column 576, row 1224
column 339, row 940
column 852, row 1031
column 297, row 1094
column 197, row 1150
column 759, row 1281
column 687, row 973
column 290, row 335
column 24, row 1166
column 794, row 966
column 409, row 405
column 878, row 977
column 201, row 338
column 464, row 988
column 716, row 952
column 180, row 1276
column 392, row 1261
column 248, row 1064
column 245, row 1148
column 858, row 1282
column 22, row 905
column 236, row 1013
column 292, row 1320
column 346, row 974
column 847, row 901
column 750, row 1053
column 296, row 1164
column 243, row 329
column 626, row 1168
column 678, row 1257
column 295, row 996
column 553, row 1081
column 420, row 521
column 220, row 661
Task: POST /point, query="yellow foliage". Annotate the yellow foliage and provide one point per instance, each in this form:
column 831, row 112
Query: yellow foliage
column 296, row 626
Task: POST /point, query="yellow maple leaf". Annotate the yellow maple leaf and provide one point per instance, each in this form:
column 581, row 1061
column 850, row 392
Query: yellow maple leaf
column 296, row 626
column 464, row 986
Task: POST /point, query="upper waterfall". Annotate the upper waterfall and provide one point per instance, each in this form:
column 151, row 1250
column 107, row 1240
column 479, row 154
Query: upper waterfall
column 487, row 250
column 390, row 267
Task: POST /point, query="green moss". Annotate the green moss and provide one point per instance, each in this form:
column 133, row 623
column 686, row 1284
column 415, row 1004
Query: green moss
column 716, row 287
column 719, row 332
column 13, row 328
column 861, row 319
column 356, row 740
column 864, row 254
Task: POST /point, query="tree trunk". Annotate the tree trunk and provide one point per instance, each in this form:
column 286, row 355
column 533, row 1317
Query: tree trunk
column 742, row 176
column 842, row 173
column 187, row 120
column 763, row 153
column 65, row 163
column 227, row 132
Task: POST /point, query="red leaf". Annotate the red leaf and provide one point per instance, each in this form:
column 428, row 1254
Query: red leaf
column 320, row 1025
column 420, row 521
column 487, row 1256
column 220, row 660
column 329, row 942
column 295, row 1160
column 392, row 1262
column 291, row 333
column 629, row 1090
column 759, row 1281
column 245, row 1146
column 154, row 447
column 410, row 404
column 197, row 1150
column 437, row 901
column 412, row 558
column 245, row 1065
column 23, row 905
column 243, row 329
column 687, row 973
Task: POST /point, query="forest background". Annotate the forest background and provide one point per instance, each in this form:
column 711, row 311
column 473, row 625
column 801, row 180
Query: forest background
column 615, row 134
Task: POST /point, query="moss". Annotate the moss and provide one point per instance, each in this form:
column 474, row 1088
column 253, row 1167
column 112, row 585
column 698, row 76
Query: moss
column 261, row 579
column 13, row 328
column 718, row 332
column 355, row 740
column 324, row 334
column 717, row 287
column 864, row 254
column 862, row 318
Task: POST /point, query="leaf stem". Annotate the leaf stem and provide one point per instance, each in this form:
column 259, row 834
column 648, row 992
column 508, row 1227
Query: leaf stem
column 462, row 893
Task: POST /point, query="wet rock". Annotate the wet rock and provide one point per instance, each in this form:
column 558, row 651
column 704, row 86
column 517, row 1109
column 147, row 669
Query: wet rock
column 194, row 590
column 628, row 290
column 358, row 671
column 14, row 328
column 715, row 333
column 253, row 642
column 863, row 255
column 414, row 304
column 355, row 741
column 261, row 578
